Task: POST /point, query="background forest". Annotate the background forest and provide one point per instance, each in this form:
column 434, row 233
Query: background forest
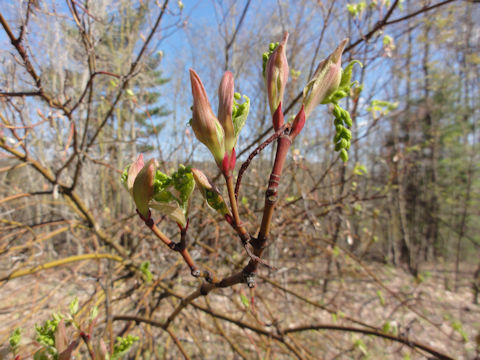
column 386, row 244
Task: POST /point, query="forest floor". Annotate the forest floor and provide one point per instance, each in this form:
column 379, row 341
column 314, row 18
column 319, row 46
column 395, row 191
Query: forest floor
column 426, row 309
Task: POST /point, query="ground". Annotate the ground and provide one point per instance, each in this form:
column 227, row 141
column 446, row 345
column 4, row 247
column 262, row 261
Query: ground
column 426, row 310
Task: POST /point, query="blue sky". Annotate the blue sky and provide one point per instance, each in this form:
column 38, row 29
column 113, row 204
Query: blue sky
column 183, row 49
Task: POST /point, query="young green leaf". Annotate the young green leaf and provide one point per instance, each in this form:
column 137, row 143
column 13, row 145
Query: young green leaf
column 240, row 114
column 15, row 339
column 74, row 306
column 94, row 313
column 345, row 84
column 380, row 297
column 123, row 345
column 172, row 193
column 210, row 193
column 145, row 269
column 245, row 301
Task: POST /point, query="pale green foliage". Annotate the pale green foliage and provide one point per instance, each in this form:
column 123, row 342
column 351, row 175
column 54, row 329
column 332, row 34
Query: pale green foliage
column 172, row 193
column 240, row 113
column 94, row 313
column 216, row 201
column 124, row 176
column 54, row 330
column 336, row 251
column 360, row 345
column 345, row 86
column 123, row 345
column 183, row 182
column 295, row 73
column 387, row 40
column 266, row 55
column 145, row 269
column 343, row 121
column 74, row 306
column 14, row 340
column 458, row 327
column 45, row 336
column 390, row 328
column 245, row 301
column 359, row 169
column 381, row 108
column 380, row 297
column 356, row 9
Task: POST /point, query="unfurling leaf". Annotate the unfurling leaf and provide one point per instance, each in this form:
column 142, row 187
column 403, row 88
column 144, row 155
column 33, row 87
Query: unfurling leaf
column 240, row 114
column 123, row 345
column 172, row 194
column 74, row 306
column 145, row 269
column 15, row 339
column 244, row 300
column 210, row 193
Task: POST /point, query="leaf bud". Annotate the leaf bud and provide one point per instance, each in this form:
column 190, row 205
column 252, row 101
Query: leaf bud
column 205, row 125
column 210, row 192
column 276, row 73
column 225, row 107
column 325, row 80
column 143, row 187
column 347, row 119
column 346, row 134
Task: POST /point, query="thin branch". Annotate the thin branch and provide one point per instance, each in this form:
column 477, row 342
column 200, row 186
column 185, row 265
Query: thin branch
column 177, row 342
column 418, row 12
column 17, row 43
column 400, row 339
column 130, row 74
column 234, row 36
column 19, row 93
column 56, row 263
column 257, row 151
column 377, row 27
column 72, row 195
column 280, row 336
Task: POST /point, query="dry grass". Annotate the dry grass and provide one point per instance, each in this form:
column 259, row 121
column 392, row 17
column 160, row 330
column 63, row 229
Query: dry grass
column 352, row 295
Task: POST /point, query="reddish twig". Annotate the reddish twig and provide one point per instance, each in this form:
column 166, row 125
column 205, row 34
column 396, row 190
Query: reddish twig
column 179, row 247
column 257, row 151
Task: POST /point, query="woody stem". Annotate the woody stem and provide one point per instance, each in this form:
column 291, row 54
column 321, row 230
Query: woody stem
column 271, row 198
column 180, row 247
column 237, row 224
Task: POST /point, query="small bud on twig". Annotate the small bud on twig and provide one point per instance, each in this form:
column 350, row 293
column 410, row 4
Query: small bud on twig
column 143, row 189
column 276, row 74
column 325, row 80
column 205, row 125
column 225, row 108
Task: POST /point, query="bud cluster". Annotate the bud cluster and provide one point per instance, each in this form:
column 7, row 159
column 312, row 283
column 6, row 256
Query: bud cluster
column 210, row 193
column 169, row 194
column 220, row 134
column 151, row 188
column 342, row 134
column 240, row 112
column 266, row 55
column 276, row 73
column 343, row 120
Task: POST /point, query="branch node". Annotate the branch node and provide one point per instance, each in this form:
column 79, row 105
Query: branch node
column 208, row 277
column 195, row 273
column 249, row 278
